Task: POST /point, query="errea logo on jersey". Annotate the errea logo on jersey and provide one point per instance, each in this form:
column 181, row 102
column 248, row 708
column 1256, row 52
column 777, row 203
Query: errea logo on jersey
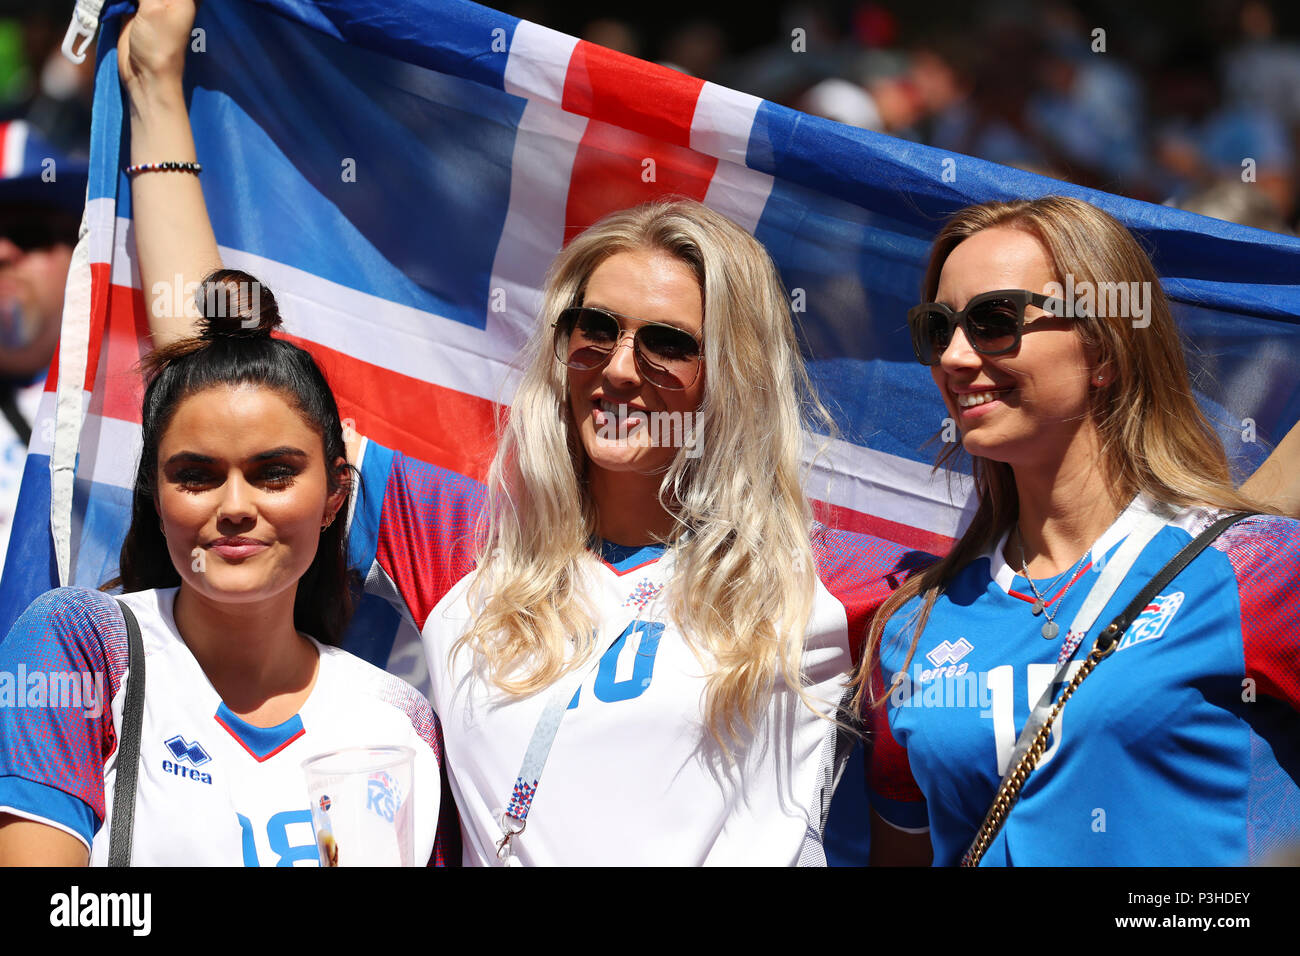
column 185, row 752
column 946, row 657
column 947, row 653
column 190, row 753
column 1151, row 623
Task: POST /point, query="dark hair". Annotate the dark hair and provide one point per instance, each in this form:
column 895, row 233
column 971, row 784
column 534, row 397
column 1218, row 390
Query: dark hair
column 234, row 346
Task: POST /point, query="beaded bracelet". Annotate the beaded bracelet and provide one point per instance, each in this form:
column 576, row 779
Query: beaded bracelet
column 167, row 167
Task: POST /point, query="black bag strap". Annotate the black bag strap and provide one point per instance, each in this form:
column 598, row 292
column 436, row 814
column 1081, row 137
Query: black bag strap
column 1013, row 781
column 128, row 746
column 1182, row 559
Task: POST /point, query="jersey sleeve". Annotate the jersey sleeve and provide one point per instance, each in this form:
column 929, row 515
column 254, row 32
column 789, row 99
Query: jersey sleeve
column 891, row 788
column 412, row 530
column 60, row 668
column 861, row 571
column 1264, row 552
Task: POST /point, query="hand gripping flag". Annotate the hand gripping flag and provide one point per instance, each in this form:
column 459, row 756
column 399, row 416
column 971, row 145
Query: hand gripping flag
column 401, row 175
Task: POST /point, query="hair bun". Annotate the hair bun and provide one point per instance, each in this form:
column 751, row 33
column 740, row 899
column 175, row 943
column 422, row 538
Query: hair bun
column 234, row 305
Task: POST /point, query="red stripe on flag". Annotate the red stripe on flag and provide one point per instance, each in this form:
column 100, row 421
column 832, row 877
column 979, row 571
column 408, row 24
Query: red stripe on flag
column 621, row 90
column 52, row 376
column 100, row 277
column 101, row 299
column 5, row 172
column 615, row 168
column 439, row 425
column 121, row 390
column 847, row 519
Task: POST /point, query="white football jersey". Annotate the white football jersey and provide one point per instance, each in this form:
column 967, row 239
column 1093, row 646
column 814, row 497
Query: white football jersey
column 212, row 789
column 634, row 776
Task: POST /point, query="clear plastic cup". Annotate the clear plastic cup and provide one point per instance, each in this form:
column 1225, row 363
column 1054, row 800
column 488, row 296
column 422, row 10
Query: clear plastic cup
column 361, row 805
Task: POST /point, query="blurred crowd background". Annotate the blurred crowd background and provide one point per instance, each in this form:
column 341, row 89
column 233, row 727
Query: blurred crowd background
column 37, row 83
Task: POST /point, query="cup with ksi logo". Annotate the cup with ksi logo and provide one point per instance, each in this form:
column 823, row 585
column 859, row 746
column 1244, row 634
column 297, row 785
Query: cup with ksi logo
column 361, row 805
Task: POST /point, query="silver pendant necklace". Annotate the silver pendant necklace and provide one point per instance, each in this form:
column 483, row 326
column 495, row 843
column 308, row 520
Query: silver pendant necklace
column 1050, row 627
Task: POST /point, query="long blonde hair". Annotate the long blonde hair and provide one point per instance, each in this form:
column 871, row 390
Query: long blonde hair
column 1154, row 437
column 744, row 576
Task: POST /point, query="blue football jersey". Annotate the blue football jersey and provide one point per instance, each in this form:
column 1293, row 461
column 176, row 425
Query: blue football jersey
column 1181, row 748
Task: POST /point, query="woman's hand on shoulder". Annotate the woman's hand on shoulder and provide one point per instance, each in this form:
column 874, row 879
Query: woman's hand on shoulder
column 152, row 46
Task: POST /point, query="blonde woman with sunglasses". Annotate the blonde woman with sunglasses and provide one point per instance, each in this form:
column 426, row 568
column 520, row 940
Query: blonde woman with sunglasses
column 1176, row 743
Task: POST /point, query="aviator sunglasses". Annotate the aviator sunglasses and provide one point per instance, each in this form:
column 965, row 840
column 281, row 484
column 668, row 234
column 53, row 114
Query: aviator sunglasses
column 668, row 357
column 992, row 322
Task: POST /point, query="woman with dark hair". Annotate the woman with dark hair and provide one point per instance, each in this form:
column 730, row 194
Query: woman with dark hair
column 239, row 351
column 1163, row 725
column 235, row 569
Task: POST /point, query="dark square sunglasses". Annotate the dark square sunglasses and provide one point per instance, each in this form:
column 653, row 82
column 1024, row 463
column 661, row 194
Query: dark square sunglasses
column 992, row 322
column 668, row 357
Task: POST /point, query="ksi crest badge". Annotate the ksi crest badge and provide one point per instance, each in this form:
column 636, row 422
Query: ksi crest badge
column 1151, row 623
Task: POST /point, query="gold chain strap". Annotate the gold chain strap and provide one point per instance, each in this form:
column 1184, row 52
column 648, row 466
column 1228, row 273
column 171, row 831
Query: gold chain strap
column 1009, row 792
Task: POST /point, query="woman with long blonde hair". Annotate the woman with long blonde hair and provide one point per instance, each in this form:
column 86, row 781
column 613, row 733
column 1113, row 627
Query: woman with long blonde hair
column 681, row 576
column 1093, row 467
column 688, row 465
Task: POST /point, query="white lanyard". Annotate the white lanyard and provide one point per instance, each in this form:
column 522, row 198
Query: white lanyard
column 515, row 817
column 1146, row 526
